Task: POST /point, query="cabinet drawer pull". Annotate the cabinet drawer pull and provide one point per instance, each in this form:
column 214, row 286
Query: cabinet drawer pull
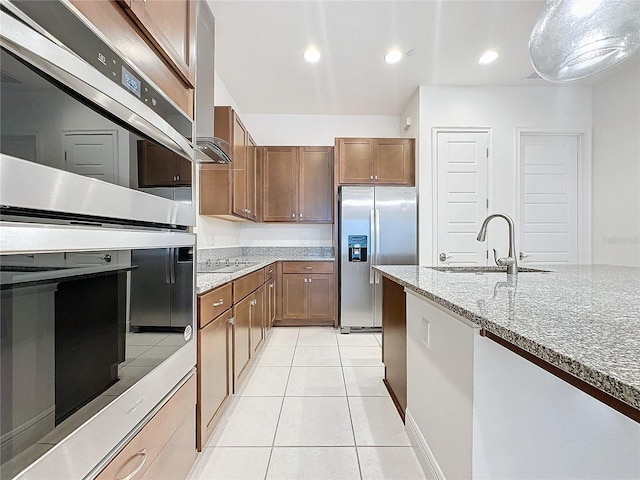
column 219, row 302
column 308, row 268
column 271, row 271
column 143, row 454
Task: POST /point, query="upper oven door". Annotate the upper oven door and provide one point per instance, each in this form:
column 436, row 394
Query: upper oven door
column 82, row 140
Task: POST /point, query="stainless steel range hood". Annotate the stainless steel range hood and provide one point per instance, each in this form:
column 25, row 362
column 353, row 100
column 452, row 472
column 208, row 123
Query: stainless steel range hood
column 212, row 150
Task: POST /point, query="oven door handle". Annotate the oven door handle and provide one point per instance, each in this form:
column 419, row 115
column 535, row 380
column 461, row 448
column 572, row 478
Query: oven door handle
column 70, row 70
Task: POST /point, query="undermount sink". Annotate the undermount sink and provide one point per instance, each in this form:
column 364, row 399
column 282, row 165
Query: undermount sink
column 224, row 267
column 481, row 270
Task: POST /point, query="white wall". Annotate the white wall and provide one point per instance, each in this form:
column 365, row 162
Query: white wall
column 616, row 169
column 503, row 110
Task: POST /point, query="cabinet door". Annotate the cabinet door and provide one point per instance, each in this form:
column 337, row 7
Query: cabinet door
column 320, row 296
column 251, row 178
column 280, row 194
column 257, row 319
column 241, row 339
column 213, row 367
column 171, row 27
column 271, row 303
column 355, row 160
column 393, row 161
column 239, row 168
column 159, row 167
column 316, row 184
column 114, row 23
column 294, row 296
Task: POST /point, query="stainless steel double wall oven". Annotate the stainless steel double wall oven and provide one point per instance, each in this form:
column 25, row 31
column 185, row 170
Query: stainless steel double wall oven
column 85, row 356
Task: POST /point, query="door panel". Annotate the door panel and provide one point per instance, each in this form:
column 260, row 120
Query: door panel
column 239, row 168
column 320, row 296
column 91, row 154
column 257, row 319
column 355, row 160
column 390, row 161
column 462, row 195
column 241, row 339
column 316, row 184
column 281, row 184
column 548, row 224
column 356, row 289
column 294, row 296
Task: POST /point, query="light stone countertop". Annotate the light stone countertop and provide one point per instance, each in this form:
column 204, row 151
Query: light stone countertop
column 583, row 319
column 208, row 281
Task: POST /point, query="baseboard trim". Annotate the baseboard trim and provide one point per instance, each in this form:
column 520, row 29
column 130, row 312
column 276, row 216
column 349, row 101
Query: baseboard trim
column 425, row 455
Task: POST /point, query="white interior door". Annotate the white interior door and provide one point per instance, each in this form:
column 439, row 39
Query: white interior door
column 548, row 222
column 462, row 196
column 91, row 154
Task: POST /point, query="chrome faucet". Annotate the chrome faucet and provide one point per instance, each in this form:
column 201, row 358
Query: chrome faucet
column 510, row 261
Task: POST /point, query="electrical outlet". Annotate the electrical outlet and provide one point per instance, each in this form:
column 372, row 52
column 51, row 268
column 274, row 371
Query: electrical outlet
column 303, row 240
column 426, row 333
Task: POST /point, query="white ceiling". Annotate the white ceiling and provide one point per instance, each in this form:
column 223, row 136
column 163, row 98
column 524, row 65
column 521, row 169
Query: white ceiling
column 260, row 46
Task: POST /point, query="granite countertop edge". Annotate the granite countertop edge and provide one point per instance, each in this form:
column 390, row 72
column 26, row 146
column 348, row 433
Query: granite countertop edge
column 598, row 379
column 209, row 281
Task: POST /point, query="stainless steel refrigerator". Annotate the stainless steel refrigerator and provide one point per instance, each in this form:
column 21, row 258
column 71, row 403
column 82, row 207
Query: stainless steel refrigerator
column 377, row 226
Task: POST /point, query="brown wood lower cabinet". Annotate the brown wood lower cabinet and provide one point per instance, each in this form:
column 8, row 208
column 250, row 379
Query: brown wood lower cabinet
column 165, row 448
column 214, row 385
column 308, row 293
column 241, row 339
column 394, row 342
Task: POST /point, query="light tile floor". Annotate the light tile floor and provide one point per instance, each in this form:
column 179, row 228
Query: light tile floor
column 313, row 407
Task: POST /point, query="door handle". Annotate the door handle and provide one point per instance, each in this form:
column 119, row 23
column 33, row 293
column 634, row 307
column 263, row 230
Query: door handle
column 443, row 257
column 372, row 222
column 377, row 215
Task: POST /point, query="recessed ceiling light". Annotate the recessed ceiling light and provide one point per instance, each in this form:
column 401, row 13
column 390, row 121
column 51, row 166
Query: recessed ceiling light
column 393, row 56
column 488, row 57
column 312, row 55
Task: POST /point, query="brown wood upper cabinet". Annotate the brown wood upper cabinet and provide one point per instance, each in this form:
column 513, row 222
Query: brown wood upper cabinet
column 170, row 25
column 160, row 167
column 389, row 161
column 298, row 184
column 127, row 35
column 230, row 190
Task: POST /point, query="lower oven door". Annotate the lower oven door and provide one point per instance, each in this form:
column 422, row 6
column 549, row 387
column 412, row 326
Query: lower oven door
column 96, row 329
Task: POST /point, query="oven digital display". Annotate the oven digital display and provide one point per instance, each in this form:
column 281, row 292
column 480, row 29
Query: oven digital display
column 131, row 82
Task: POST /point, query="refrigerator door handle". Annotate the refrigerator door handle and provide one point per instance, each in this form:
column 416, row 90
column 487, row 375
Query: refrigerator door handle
column 372, row 256
column 377, row 258
column 172, row 265
column 377, row 214
column 167, row 267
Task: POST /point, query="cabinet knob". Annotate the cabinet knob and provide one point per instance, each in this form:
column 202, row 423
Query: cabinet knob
column 305, row 280
column 370, row 177
column 293, row 215
column 376, row 177
column 309, row 280
column 232, row 321
column 178, row 177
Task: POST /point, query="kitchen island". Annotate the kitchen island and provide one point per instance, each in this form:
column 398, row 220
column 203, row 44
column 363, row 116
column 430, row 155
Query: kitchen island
column 485, row 357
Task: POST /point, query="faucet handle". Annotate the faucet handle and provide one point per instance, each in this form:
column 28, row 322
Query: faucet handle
column 503, row 262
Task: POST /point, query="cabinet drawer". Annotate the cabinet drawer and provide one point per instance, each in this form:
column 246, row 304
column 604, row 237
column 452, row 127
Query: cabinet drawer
column 247, row 284
column 213, row 303
column 150, row 441
column 307, row 267
column 269, row 271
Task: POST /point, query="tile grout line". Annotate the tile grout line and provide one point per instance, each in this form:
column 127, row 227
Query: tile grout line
column 275, row 433
column 353, row 431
